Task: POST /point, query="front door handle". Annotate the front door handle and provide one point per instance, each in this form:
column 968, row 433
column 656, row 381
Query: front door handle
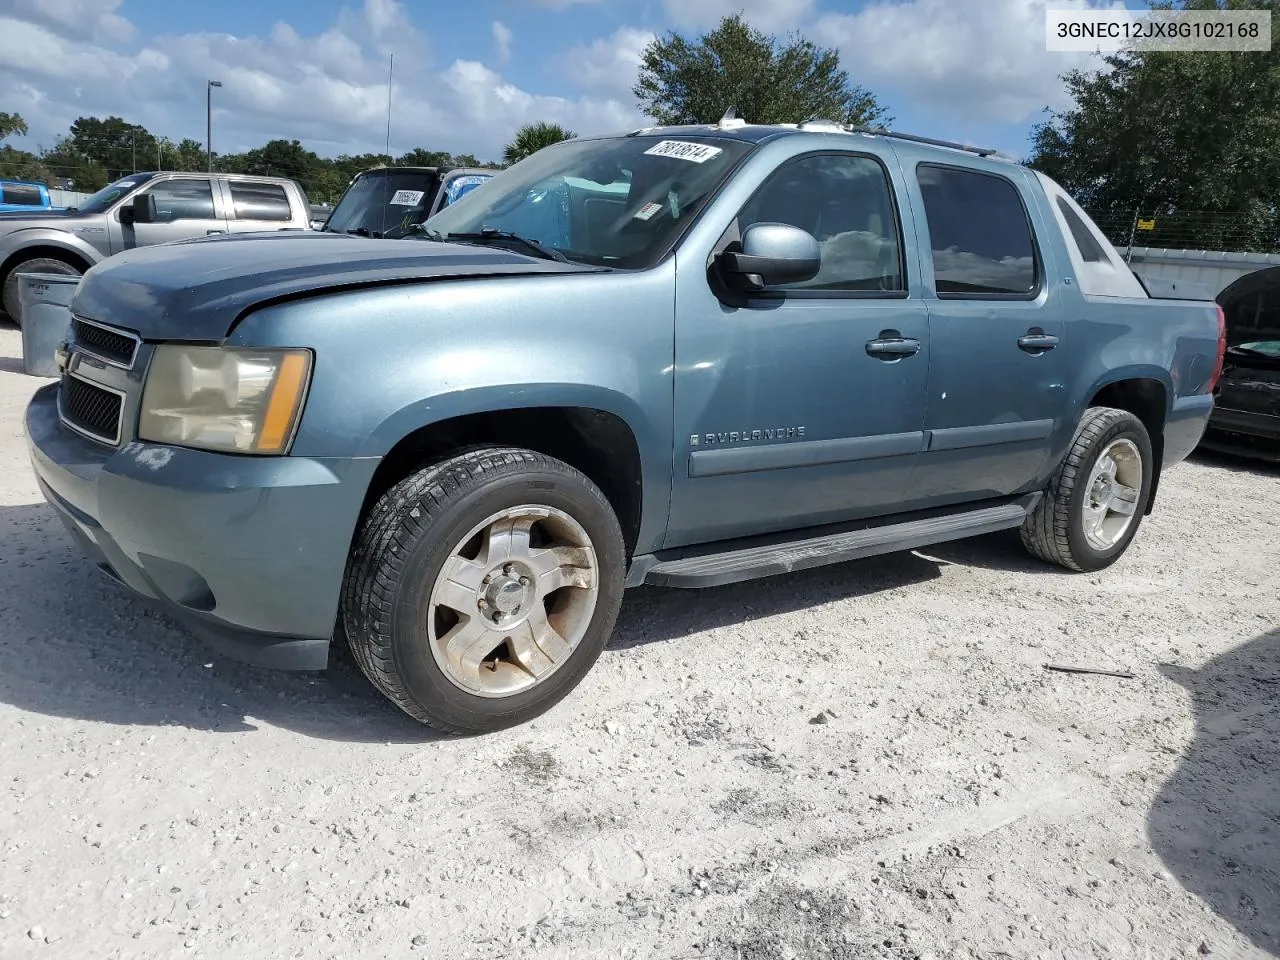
column 891, row 345
column 1036, row 340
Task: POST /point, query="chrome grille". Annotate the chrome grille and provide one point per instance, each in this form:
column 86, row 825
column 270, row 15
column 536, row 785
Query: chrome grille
column 112, row 346
column 91, row 409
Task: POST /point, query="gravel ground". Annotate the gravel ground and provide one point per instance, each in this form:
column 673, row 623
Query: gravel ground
column 863, row 761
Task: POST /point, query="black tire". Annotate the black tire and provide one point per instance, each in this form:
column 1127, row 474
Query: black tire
column 9, row 284
column 1054, row 531
column 404, row 542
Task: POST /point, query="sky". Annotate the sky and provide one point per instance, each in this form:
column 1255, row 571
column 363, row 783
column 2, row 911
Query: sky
column 467, row 73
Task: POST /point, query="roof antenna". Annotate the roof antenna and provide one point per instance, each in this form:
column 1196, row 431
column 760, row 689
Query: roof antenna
column 730, row 114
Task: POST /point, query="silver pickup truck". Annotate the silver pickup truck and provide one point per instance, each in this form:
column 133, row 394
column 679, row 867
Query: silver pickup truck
column 137, row 211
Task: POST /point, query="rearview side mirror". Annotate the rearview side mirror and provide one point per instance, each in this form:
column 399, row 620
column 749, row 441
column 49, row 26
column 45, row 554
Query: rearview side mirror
column 772, row 253
column 141, row 209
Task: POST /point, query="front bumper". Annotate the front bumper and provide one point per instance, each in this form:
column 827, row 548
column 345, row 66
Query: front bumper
column 247, row 552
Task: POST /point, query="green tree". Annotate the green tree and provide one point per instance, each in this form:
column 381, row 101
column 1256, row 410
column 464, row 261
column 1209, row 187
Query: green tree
column 418, row 157
column 18, row 164
column 11, row 123
column 529, row 139
column 767, row 79
column 1171, row 133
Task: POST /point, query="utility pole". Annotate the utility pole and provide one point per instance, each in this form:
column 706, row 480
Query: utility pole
column 208, row 115
column 133, row 140
column 390, row 71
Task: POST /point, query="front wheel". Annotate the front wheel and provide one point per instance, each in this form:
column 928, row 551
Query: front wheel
column 1094, row 504
column 482, row 589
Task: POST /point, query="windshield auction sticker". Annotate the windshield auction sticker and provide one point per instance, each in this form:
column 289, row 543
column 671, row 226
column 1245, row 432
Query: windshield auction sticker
column 683, row 150
column 406, row 198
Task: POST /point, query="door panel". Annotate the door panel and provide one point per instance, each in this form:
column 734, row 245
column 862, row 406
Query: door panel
column 184, row 209
column 995, row 336
column 806, row 405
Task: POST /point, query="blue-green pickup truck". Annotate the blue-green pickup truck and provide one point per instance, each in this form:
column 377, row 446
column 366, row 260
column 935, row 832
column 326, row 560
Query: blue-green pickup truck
column 675, row 356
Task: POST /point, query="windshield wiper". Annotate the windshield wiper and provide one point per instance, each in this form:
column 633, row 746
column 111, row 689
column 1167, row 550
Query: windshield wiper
column 490, row 234
column 364, row 232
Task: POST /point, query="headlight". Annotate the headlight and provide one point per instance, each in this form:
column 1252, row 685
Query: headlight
column 224, row 398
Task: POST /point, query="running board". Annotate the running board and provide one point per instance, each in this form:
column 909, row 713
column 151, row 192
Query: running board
column 750, row 563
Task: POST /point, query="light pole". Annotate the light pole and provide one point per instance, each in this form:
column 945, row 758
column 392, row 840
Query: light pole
column 209, row 120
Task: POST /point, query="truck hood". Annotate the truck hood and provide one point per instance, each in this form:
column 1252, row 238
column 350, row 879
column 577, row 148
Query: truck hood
column 197, row 289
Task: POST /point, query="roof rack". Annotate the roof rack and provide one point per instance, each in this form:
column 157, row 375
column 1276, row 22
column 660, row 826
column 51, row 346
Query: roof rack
column 882, row 132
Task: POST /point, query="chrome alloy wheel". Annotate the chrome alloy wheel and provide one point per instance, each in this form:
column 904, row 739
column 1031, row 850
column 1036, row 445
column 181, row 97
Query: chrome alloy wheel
column 513, row 600
column 1111, row 495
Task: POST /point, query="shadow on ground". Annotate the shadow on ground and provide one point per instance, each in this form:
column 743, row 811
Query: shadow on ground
column 1216, row 822
column 75, row 644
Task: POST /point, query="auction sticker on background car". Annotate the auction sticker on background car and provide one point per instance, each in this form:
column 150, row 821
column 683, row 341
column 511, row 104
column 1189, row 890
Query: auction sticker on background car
column 406, row 198
column 683, row 150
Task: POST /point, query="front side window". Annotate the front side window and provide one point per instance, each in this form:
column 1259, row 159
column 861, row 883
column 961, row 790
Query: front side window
column 183, row 200
column 844, row 202
column 259, row 201
column 614, row 201
column 978, row 232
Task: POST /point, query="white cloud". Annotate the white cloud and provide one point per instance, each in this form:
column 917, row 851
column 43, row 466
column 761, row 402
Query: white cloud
column 985, row 61
column 82, row 19
column 767, row 15
column 609, row 64
column 502, row 37
column 328, row 90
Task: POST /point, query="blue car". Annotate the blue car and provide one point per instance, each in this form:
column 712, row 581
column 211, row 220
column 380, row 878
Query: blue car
column 680, row 356
column 23, row 196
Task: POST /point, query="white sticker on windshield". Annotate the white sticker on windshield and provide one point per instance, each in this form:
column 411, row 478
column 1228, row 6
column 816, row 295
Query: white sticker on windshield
column 647, row 211
column 406, row 198
column 683, row 150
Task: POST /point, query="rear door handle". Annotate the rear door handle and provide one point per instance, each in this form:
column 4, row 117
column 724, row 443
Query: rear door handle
column 210, row 233
column 890, row 346
column 1036, row 341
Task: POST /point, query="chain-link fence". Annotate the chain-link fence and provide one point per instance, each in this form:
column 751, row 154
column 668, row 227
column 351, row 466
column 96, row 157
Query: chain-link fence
column 1192, row 230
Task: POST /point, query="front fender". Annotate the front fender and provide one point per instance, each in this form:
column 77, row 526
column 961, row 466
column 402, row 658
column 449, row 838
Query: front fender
column 392, row 360
column 30, row 237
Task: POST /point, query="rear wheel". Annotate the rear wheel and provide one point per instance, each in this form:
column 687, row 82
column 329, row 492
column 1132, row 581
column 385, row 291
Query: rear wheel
column 482, row 589
column 1095, row 501
column 9, row 288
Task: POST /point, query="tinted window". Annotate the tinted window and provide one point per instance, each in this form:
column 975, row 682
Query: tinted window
column 21, row 193
column 845, row 204
column 183, row 200
column 259, row 201
column 1085, row 242
column 385, row 203
column 978, row 232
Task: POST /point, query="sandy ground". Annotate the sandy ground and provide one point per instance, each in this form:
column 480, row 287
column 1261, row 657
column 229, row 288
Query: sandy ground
column 864, row 761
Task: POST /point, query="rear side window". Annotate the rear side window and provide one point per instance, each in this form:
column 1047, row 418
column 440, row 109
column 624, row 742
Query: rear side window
column 259, row 201
column 979, row 234
column 21, row 193
column 1088, row 246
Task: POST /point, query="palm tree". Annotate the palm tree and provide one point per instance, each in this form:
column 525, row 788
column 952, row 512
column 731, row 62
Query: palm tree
column 532, row 137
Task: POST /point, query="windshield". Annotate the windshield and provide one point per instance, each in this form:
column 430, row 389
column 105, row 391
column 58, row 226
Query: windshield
column 384, row 203
column 620, row 201
column 101, row 201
